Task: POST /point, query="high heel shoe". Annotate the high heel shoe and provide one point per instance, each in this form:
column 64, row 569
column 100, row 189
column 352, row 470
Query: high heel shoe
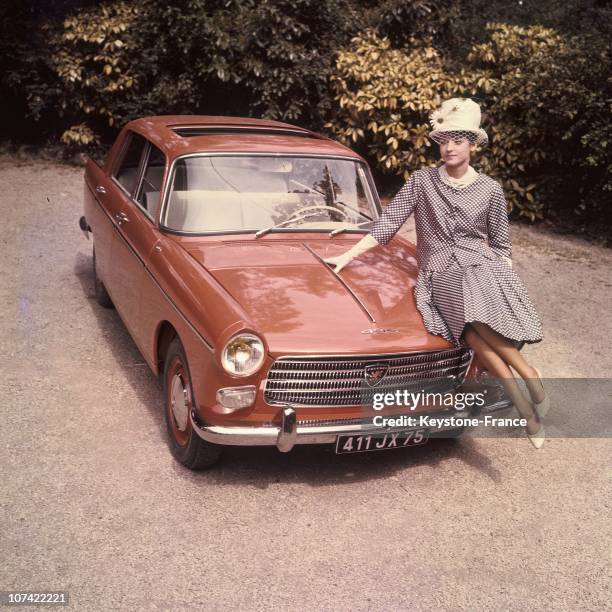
column 541, row 408
column 537, row 438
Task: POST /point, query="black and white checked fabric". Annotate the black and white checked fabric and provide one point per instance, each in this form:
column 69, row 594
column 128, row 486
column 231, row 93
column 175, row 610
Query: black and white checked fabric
column 462, row 234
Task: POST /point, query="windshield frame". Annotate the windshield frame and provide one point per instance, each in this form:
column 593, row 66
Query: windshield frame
column 365, row 170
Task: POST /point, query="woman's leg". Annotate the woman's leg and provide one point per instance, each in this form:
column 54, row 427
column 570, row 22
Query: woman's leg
column 498, row 367
column 509, row 353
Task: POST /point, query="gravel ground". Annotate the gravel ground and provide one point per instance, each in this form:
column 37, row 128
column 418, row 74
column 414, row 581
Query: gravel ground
column 93, row 503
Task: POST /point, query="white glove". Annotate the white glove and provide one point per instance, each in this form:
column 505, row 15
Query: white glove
column 507, row 260
column 365, row 244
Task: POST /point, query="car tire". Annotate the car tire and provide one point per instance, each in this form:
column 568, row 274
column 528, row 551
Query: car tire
column 101, row 294
column 185, row 444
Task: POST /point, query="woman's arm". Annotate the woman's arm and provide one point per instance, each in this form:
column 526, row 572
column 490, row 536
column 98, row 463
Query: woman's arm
column 498, row 227
column 397, row 211
column 339, row 261
column 386, row 226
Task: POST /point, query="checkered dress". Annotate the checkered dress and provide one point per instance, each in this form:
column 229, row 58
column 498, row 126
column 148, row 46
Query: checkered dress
column 462, row 234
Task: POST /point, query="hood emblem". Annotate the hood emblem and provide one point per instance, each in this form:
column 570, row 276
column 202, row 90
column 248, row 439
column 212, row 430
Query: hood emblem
column 375, row 372
column 380, row 330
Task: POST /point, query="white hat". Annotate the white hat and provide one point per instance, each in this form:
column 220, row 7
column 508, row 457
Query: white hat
column 457, row 115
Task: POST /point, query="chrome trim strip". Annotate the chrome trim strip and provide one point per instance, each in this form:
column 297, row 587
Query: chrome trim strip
column 332, row 384
column 300, row 381
column 164, row 294
column 369, row 182
column 340, row 390
column 340, row 387
column 237, row 128
column 129, row 197
column 393, row 369
column 120, row 154
column 342, row 282
column 208, row 345
column 132, row 200
column 291, row 433
column 142, row 165
column 325, row 384
column 287, row 436
column 144, row 160
column 359, row 420
column 353, row 356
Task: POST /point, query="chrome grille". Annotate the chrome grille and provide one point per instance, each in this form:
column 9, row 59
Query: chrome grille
column 340, row 380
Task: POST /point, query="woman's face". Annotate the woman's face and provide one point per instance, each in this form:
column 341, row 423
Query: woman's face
column 456, row 151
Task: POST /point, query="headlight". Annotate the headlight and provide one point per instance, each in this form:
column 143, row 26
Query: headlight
column 242, row 355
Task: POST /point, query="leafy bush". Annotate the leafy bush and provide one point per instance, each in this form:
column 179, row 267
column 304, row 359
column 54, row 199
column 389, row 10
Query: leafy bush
column 92, row 61
column 385, row 96
column 85, row 68
column 403, row 20
column 540, row 101
column 119, row 60
column 549, row 114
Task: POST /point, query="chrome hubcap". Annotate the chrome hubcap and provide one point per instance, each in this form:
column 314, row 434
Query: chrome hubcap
column 180, row 405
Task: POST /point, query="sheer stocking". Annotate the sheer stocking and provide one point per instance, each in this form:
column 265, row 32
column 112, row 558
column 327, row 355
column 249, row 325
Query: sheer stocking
column 497, row 366
column 512, row 356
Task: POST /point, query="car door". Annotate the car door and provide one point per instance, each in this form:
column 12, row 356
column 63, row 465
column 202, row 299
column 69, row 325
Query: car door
column 99, row 193
column 138, row 181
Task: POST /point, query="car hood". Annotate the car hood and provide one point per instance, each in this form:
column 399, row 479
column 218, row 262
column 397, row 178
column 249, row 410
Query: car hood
column 302, row 306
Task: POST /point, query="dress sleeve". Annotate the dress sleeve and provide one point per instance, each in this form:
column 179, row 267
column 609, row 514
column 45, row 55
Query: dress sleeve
column 397, row 211
column 497, row 223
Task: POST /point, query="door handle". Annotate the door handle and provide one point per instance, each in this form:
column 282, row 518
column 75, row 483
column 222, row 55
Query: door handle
column 121, row 218
column 100, row 189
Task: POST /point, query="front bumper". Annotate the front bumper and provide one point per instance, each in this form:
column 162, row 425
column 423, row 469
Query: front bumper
column 291, row 432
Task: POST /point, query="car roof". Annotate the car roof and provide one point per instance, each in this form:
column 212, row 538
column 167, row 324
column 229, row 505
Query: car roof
column 184, row 134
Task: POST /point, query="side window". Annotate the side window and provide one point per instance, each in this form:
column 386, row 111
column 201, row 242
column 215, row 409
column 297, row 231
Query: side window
column 127, row 171
column 150, row 187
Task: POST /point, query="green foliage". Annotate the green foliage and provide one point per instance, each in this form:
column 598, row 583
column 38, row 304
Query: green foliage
column 27, row 78
column 92, row 61
column 289, row 57
column 541, row 100
column 549, row 115
column 385, row 96
column 403, row 20
column 119, row 60
column 370, row 71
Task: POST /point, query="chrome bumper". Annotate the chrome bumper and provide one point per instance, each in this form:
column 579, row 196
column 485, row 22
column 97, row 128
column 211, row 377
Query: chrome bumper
column 291, row 433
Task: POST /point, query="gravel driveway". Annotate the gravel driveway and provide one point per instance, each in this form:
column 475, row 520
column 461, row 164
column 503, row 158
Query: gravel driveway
column 93, row 503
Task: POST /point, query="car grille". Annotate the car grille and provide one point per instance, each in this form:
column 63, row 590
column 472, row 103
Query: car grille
column 340, row 380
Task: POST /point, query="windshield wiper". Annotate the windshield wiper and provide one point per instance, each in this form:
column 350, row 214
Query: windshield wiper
column 290, row 220
column 343, row 229
column 353, row 209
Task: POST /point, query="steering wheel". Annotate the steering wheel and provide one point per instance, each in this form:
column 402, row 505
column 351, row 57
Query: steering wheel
column 319, row 206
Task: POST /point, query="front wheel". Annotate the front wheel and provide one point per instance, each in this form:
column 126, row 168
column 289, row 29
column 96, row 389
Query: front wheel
column 185, row 444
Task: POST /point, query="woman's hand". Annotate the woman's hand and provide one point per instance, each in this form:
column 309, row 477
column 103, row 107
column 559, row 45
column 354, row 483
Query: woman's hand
column 507, row 260
column 339, row 261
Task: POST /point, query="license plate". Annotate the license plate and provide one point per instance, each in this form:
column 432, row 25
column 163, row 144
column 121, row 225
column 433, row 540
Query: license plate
column 372, row 442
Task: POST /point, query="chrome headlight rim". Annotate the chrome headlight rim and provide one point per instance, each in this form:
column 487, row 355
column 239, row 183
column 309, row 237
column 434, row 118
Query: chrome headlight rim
column 226, row 361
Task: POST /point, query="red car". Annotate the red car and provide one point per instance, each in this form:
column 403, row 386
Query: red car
column 209, row 235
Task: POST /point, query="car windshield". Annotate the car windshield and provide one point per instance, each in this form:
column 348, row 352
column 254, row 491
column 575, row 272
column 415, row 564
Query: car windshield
column 259, row 192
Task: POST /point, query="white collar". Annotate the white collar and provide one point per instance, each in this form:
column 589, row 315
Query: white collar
column 467, row 179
